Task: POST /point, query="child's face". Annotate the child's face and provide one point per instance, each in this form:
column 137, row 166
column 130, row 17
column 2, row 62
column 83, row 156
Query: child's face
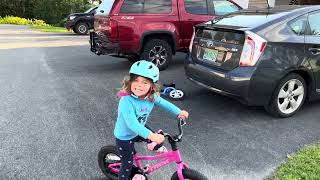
column 140, row 86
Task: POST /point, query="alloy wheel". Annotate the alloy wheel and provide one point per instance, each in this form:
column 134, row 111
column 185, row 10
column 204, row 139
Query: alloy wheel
column 290, row 96
column 82, row 29
column 158, row 55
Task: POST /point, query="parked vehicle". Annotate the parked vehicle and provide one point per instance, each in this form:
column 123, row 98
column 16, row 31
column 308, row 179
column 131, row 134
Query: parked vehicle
column 151, row 30
column 80, row 23
column 263, row 57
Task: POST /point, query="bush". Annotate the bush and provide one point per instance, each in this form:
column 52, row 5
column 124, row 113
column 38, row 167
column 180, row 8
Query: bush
column 15, row 20
column 22, row 21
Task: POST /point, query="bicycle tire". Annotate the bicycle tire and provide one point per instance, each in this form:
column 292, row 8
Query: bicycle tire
column 189, row 174
column 104, row 151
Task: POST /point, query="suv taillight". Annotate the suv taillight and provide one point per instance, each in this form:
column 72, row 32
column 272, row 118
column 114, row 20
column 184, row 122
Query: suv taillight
column 107, row 25
column 253, row 47
column 113, row 30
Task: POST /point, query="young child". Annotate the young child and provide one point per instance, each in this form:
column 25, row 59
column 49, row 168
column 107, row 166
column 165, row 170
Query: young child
column 138, row 96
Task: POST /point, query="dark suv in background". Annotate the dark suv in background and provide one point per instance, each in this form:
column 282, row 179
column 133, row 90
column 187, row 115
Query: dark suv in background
column 80, row 23
column 151, row 29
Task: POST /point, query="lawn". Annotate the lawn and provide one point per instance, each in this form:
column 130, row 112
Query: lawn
column 305, row 164
column 49, row 28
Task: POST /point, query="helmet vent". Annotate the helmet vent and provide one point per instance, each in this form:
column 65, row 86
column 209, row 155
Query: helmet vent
column 150, row 67
column 138, row 63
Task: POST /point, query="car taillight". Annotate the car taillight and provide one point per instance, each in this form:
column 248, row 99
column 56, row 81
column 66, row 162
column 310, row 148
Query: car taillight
column 113, row 30
column 253, row 47
column 191, row 42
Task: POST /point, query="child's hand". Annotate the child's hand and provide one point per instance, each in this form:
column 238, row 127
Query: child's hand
column 183, row 115
column 158, row 138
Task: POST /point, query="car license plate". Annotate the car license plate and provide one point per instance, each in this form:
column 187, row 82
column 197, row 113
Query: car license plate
column 210, row 55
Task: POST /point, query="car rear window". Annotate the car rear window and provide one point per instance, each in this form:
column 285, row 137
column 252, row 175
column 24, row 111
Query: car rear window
column 249, row 20
column 146, row 6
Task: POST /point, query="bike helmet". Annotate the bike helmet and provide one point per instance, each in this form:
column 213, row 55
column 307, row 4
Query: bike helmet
column 146, row 69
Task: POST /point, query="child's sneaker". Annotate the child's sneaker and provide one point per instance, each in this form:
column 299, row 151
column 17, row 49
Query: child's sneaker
column 139, row 177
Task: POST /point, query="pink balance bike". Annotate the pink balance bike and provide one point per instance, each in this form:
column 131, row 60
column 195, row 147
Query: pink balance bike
column 109, row 161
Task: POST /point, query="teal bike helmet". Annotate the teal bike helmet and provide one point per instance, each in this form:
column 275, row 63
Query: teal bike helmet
column 146, row 69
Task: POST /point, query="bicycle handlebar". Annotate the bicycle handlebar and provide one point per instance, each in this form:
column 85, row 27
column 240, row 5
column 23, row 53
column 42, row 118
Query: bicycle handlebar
column 177, row 138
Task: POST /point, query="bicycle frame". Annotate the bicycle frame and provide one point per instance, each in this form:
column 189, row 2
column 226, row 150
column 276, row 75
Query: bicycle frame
column 167, row 158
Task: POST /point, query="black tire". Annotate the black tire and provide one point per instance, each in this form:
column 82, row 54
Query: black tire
column 81, row 28
column 104, row 151
column 276, row 101
column 189, row 174
column 158, row 51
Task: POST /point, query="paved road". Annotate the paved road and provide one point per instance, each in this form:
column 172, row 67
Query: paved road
column 58, row 105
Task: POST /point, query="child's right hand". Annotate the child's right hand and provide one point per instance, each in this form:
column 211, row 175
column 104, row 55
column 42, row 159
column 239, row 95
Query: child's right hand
column 158, row 138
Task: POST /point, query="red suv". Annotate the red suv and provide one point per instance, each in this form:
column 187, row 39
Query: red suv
column 151, row 29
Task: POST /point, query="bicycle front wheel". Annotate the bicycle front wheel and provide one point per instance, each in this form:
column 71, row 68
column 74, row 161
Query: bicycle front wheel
column 106, row 156
column 189, row 174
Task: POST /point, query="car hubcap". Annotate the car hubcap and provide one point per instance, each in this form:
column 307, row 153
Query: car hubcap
column 82, row 29
column 290, row 96
column 158, row 55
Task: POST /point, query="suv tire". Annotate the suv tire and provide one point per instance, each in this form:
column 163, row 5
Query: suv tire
column 157, row 51
column 81, row 28
column 290, row 94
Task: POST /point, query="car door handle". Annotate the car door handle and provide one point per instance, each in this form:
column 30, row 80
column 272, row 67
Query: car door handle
column 314, row 51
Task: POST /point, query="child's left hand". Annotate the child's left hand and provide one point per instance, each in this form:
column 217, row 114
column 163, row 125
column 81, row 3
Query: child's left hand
column 183, row 115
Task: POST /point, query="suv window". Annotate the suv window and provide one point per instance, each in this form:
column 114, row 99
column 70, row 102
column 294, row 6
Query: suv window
column 146, row 6
column 105, row 7
column 222, row 7
column 298, row 25
column 196, row 6
column 314, row 23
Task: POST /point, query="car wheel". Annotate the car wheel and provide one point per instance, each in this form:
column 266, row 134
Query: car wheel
column 157, row 51
column 288, row 97
column 81, row 28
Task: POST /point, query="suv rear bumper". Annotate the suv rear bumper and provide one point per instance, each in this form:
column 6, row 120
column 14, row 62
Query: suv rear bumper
column 100, row 45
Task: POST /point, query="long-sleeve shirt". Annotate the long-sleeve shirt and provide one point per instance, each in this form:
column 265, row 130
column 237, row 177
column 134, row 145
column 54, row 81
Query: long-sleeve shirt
column 133, row 113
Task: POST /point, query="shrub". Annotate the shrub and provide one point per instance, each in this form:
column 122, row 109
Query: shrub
column 15, row 20
column 22, row 21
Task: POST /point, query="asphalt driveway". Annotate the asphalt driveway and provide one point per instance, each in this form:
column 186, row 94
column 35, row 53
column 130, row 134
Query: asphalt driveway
column 58, row 107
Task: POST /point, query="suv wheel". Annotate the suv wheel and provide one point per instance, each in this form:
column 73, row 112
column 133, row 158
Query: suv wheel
column 157, row 51
column 288, row 97
column 81, row 28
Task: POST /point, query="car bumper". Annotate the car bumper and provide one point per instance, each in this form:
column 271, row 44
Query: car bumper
column 69, row 25
column 246, row 84
column 100, row 45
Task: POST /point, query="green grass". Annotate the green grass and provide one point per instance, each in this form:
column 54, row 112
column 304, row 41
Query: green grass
column 49, row 28
column 304, row 165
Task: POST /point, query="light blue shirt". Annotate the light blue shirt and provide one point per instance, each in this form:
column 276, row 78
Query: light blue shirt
column 133, row 114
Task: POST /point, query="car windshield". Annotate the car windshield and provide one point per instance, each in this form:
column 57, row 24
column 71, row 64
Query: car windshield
column 87, row 11
column 249, row 20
